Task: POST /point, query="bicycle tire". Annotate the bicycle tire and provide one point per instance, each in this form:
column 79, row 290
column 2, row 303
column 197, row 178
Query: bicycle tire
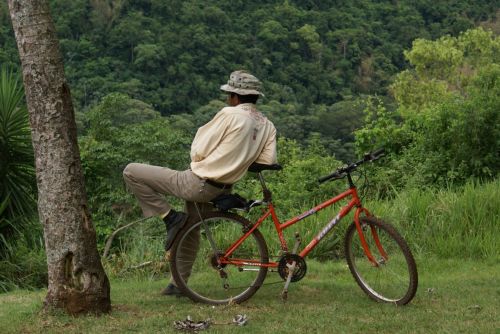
column 203, row 283
column 395, row 278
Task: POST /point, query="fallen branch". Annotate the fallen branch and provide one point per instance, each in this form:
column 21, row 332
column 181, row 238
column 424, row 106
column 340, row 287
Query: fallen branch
column 112, row 236
column 140, row 265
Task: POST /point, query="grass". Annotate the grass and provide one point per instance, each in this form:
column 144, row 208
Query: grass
column 454, row 296
column 461, row 222
column 453, row 233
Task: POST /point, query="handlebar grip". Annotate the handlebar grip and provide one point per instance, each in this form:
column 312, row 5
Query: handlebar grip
column 341, row 172
column 324, row 178
column 375, row 155
column 328, row 177
column 378, row 152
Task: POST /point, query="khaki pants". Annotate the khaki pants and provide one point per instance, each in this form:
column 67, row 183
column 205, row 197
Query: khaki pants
column 149, row 185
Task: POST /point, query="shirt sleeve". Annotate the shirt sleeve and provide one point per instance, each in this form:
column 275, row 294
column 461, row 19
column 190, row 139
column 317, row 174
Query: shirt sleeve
column 208, row 137
column 268, row 155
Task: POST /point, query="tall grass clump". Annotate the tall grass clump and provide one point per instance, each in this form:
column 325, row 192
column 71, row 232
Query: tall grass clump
column 138, row 252
column 453, row 222
column 463, row 222
column 23, row 262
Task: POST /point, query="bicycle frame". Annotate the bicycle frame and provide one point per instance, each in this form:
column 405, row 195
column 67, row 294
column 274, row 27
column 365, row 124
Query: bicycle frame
column 280, row 227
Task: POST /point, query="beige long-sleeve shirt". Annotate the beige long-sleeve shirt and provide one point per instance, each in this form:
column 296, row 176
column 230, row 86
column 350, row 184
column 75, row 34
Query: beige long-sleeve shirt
column 225, row 147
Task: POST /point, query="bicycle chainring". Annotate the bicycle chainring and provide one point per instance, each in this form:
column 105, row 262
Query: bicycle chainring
column 300, row 267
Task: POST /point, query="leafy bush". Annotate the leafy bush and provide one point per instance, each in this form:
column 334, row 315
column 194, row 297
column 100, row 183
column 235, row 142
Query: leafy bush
column 446, row 128
column 122, row 130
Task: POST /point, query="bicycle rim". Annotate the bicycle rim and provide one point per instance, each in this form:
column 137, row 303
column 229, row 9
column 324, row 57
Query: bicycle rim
column 394, row 278
column 206, row 282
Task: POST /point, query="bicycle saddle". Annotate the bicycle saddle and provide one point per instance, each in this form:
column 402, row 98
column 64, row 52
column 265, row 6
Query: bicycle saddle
column 256, row 167
column 226, row 202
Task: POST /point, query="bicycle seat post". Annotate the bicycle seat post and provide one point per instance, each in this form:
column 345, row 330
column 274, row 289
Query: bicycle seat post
column 265, row 191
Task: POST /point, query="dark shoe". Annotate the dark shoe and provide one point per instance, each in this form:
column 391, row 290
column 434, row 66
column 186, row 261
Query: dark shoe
column 174, row 222
column 171, row 290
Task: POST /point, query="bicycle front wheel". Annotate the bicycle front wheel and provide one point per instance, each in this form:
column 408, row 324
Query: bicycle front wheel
column 198, row 267
column 392, row 277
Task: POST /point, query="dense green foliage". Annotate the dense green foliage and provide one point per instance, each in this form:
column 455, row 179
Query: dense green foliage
column 446, row 127
column 17, row 173
column 316, row 58
column 22, row 259
column 122, row 130
column 16, row 154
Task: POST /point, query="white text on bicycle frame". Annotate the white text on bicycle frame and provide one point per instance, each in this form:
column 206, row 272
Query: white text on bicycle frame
column 328, row 227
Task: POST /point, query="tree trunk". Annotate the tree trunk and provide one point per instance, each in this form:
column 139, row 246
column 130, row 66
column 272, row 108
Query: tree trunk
column 77, row 281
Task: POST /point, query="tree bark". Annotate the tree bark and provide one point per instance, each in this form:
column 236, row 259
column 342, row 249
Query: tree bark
column 77, row 281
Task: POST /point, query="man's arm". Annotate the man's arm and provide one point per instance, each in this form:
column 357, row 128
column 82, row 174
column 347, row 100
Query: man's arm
column 268, row 155
column 209, row 136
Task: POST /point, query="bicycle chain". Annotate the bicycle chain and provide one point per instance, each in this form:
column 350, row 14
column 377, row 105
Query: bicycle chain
column 277, row 271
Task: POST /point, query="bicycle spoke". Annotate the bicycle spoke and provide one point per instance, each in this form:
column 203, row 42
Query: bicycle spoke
column 209, row 236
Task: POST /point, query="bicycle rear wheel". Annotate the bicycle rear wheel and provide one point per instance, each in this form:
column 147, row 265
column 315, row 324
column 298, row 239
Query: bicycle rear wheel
column 394, row 278
column 197, row 271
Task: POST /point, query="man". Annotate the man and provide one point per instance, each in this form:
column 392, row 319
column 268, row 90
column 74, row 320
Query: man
column 221, row 153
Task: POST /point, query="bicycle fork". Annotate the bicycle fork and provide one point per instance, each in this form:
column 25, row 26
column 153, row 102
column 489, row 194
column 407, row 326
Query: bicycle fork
column 291, row 267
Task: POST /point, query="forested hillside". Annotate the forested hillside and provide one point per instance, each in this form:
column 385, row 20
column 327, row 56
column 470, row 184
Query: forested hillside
column 316, row 58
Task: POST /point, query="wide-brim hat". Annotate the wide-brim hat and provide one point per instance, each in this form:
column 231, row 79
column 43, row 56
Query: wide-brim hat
column 243, row 83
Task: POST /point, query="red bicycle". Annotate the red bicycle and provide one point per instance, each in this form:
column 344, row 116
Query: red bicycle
column 231, row 260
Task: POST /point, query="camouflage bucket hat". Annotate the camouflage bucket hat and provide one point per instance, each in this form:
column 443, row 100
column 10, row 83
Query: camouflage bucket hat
column 243, row 83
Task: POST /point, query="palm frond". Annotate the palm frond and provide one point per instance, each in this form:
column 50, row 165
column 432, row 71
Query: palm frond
column 17, row 173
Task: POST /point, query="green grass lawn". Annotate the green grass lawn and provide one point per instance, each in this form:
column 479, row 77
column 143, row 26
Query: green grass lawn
column 454, row 296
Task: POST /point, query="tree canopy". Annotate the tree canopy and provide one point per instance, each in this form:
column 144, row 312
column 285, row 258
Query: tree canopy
column 311, row 55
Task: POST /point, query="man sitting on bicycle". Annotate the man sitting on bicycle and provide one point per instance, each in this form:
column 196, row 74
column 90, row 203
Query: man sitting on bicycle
column 221, row 153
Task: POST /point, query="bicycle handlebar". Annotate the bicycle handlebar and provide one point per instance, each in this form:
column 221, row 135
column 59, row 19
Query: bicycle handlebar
column 343, row 171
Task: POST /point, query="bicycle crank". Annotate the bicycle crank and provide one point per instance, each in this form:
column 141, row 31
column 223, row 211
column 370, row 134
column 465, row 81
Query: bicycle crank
column 291, row 265
column 299, row 270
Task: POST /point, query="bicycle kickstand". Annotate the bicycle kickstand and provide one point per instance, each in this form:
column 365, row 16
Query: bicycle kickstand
column 291, row 268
